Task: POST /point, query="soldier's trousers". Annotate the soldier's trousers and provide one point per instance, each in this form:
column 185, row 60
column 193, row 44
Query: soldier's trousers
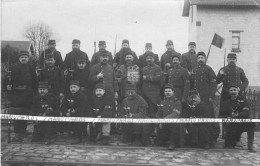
column 19, row 125
column 198, row 134
column 43, row 130
column 169, row 132
column 234, row 132
column 132, row 132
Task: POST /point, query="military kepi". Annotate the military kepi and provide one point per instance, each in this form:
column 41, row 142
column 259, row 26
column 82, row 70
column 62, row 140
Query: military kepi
column 169, row 42
column 76, row 41
column 168, row 86
column 201, row 53
column 74, row 82
column 125, row 41
column 100, row 86
column 148, row 45
column 26, row 53
column 51, row 42
column 102, row 43
column 193, row 92
column 232, row 55
column 43, row 84
column 130, row 87
column 192, row 44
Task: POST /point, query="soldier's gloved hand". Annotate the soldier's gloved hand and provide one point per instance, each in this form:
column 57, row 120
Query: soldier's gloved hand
column 9, row 87
column 49, row 111
column 130, row 115
column 100, row 75
column 168, row 65
column 72, row 111
column 38, row 71
column 66, row 72
column 234, row 115
column 61, row 96
column 144, row 77
column 222, row 72
column 67, row 114
column 116, row 95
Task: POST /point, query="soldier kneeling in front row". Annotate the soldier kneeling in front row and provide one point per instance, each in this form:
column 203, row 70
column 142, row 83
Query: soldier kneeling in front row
column 44, row 104
column 75, row 104
column 170, row 108
column 237, row 107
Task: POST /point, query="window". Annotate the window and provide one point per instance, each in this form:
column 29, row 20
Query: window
column 191, row 20
column 236, row 41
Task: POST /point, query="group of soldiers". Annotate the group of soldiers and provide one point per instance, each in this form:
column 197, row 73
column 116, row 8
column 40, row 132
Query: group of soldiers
column 127, row 86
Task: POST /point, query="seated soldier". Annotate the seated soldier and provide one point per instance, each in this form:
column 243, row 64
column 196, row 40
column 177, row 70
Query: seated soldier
column 237, row 107
column 169, row 108
column 133, row 106
column 44, row 104
column 76, row 104
column 102, row 108
column 198, row 134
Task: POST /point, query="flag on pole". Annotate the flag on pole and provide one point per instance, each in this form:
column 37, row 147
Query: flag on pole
column 217, row 41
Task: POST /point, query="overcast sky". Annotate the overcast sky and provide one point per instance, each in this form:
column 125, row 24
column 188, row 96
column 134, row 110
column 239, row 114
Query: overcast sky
column 139, row 21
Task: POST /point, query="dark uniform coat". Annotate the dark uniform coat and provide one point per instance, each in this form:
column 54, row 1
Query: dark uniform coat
column 120, row 57
column 96, row 58
column 189, row 61
column 169, row 131
column 46, row 105
column 82, row 77
column 57, row 56
column 199, row 133
column 143, row 63
column 151, row 85
column 126, row 75
column 238, row 106
column 179, row 78
column 71, row 57
column 24, row 84
column 55, row 79
column 234, row 76
column 205, row 82
column 109, row 81
column 167, row 58
column 105, row 106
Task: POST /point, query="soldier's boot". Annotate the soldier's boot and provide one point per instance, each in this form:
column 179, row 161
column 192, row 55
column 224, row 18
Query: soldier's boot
column 105, row 140
column 17, row 138
column 250, row 140
column 171, row 146
column 47, row 141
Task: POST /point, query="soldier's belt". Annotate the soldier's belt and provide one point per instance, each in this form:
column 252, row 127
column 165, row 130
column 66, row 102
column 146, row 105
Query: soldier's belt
column 126, row 120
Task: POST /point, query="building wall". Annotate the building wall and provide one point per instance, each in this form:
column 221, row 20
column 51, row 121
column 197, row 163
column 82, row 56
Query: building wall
column 221, row 21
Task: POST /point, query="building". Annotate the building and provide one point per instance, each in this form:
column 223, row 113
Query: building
column 237, row 21
column 19, row 46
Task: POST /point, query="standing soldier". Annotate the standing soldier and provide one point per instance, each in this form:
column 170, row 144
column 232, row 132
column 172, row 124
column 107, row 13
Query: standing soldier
column 133, row 106
column 120, row 56
column 166, row 58
column 231, row 75
column 81, row 74
column 103, row 108
column 170, row 108
column 76, row 104
column 53, row 75
column 237, row 107
column 104, row 73
column 179, row 78
column 96, row 57
column 57, row 55
column 151, row 83
column 23, row 84
column 128, row 73
column 142, row 58
column 44, row 104
column 205, row 81
column 189, row 61
column 70, row 59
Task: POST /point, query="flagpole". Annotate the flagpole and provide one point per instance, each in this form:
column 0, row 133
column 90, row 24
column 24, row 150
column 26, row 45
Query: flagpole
column 225, row 58
column 208, row 52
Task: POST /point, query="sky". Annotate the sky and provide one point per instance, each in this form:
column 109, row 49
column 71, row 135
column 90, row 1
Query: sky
column 139, row 21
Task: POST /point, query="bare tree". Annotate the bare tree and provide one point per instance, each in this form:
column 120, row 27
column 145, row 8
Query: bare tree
column 39, row 33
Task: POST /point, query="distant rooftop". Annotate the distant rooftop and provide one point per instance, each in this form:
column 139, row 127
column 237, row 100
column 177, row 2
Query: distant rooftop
column 188, row 3
column 20, row 45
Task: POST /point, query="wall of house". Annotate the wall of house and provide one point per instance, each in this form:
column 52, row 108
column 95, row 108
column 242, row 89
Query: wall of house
column 221, row 21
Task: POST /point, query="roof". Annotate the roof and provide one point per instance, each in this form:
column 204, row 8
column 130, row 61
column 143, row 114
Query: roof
column 188, row 3
column 20, row 45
